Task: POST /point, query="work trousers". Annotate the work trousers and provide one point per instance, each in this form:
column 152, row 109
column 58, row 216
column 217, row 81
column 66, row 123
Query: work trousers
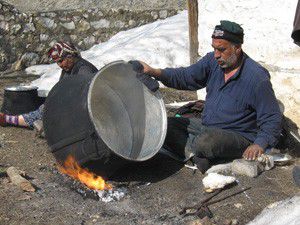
column 187, row 137
column 33, row 116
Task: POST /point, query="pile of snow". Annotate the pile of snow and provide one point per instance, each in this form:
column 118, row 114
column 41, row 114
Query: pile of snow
column 285, row 212
column 267, row 25
column 215, row 181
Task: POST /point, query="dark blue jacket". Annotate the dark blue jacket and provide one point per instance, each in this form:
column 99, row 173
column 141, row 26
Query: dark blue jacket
column 245, row 104
column 81, row 66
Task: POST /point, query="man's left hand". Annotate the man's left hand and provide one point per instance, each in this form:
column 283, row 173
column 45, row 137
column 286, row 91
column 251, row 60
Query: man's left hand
column 253, row 152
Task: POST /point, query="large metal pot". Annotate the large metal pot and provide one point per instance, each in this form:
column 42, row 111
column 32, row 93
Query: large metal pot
column 111, row 117
column 20, row 99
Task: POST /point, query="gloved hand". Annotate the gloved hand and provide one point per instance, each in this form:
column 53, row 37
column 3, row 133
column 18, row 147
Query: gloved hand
column 150, row 83
column 136, row 66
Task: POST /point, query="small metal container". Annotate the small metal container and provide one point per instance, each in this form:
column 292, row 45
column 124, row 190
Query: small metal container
column 20, row 99
column 281, row 159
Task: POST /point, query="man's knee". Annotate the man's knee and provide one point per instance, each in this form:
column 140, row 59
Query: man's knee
column 217, row 143
column 204, row 145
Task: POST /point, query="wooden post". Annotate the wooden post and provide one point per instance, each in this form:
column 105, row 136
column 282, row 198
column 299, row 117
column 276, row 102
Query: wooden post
column 193, row 29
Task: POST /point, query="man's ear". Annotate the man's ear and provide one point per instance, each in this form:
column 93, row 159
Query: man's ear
column 238, row 49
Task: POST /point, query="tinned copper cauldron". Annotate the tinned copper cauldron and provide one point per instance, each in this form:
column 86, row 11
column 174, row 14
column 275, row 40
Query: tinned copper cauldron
column 20, row 99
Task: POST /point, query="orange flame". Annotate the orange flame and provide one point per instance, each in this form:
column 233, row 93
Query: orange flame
column 91, row 180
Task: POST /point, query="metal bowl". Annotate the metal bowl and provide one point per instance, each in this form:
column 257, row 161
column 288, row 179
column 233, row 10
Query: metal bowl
column 281, row 159
column 129, row 118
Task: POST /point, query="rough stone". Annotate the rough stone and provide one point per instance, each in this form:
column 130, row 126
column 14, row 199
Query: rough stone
column 63, row 19
column 5, row 9
column 23, row 15
column 48, row 23
column 29, row 27
column 3, row 60
column 50, row 14
column 30, row 59
column 41, row 48
column 83, row 25
column 98, row 13
column 30, row 19
column 247, row 168
column 163, row 14
column 89, row 41
column 16, row 28
column 76, row 18
column 17, row 66
column 131, row 23
column 80, row 44
column 85, row 15
column 12, row 18
column 1, row 17
column 44, row 37
column 73, row 38
column 119, row 24
column 69, row 26
column 52, row 43
column 4, row 26
column 154, row 15
column 220, row 168
column 103, row 23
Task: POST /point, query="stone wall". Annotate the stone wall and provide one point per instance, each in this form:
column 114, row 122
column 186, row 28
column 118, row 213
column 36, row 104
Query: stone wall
column 26, row 37
column 134, row 5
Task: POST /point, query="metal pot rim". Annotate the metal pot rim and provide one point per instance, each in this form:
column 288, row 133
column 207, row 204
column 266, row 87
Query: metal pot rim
column 20, row 88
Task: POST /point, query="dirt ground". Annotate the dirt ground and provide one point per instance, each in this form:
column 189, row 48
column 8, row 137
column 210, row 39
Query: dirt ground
column 157, row 189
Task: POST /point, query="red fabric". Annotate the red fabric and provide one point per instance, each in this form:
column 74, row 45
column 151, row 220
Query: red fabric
column 61, row 50
column 2, row 120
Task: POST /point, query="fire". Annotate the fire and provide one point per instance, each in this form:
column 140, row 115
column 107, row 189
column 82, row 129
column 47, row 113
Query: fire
column 91, row 180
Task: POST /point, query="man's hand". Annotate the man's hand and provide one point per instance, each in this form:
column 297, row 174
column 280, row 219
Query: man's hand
column 253, row 152
column 150, row 70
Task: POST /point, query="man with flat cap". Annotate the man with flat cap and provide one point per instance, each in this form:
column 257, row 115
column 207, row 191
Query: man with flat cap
column 241, row 116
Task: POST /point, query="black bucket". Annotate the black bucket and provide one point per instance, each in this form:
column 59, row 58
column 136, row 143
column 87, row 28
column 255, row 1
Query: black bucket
column 20, row 99
column 90, row 118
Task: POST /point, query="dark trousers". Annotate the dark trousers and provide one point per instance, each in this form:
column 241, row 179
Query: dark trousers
column 187, row 137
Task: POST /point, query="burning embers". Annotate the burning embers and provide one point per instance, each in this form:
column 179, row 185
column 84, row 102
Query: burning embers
column 91, row 180
column 95, row 186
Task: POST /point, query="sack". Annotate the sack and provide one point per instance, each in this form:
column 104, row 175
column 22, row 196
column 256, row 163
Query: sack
column 191, row 110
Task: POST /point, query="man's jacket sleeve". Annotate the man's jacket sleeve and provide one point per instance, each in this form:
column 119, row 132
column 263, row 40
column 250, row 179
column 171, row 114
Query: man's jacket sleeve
column 193, row 77
column 269, row 117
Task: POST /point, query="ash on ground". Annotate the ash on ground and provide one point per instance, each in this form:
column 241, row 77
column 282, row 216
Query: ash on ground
column 112, row 195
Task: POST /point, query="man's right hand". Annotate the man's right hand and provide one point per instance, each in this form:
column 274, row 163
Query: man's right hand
column 150, row 70
column 253, row 152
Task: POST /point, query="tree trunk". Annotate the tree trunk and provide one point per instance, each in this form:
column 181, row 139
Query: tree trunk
column 193, row 30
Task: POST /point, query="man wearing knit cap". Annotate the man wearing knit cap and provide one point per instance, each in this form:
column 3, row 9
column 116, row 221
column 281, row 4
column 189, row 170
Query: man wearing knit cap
column 69, row 60
column 241, row 116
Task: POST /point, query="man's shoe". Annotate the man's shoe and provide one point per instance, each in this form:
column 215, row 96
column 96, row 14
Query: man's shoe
column 202, row 163
column 2, row 120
